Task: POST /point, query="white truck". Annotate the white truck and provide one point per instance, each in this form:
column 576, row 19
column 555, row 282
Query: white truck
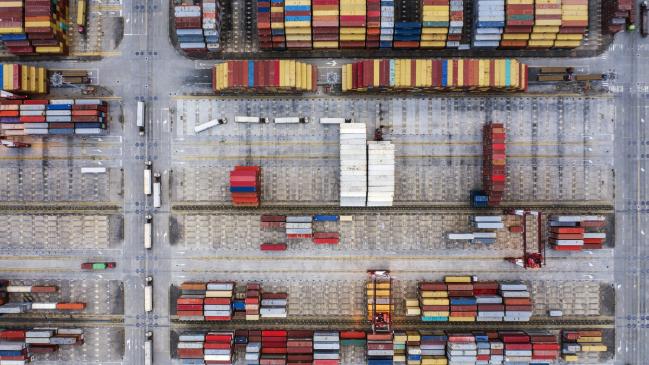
column 148, row 294
column 148, row 349
column 157, row 187
column 148, row 182
column 140, row 117
column 148, row 231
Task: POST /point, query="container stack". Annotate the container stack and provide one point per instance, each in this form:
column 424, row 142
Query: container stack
column 412, row 307
column 212, row 348
column 353, row 165
column 435, row 75
column 326, row 238
column 414, row 348
column 18, row 346
column 9, row 306
column 272, row 221
column 490, row 304
column 494, row 168
column 326, row 348
column 496, row 349
column 212, row 14
column 299, row 227
column 373, row 30
column 399, row 340
column 264, row 76
column 518, row 304
column 568, row 233
column 245, row 186
column 387, row 23
column 488, row 222
column 23, row 79
column 407, row 24
column 545, row 346
column 489, row 23
column 379, row 299
column 189, row 28
column 461, row 348
column 29, row 27
column 352, row 23
column 53, row 117
column 380, row 173
column 456, row 26
column 273, row 346
column 325, row 23
column 277, row 24
column 239, row 308
column 380, row 350
column 574, row 23
column 434, row 302
column 299, row 347
column 580, row 342
column 464, row 307
column 297, row 20
column 433, row 348
column 518, row 347
column 218, row 301
column 436, row 17
column 253, row 350
column 253, row 301
column 519, row 21
column 264, row 32
column 546, row 23
column 189, row 305
column 274, row 305
column 617, row 14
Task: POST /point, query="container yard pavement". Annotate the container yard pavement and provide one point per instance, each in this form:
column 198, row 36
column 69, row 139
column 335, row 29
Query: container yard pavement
column 148, row 68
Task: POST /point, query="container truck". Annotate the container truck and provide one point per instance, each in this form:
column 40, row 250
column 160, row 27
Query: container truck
column 335, row 120
column 243, row 119
column 291, row 120
column 140, row 117
column 148, row 230
column 147, row 178
column 208, row 125
column 157, row 186
column 98, row 265
column 148, row 349
column 148, row 294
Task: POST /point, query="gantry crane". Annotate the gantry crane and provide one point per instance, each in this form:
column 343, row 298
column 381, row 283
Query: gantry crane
column 379, row 300
column 529, row 260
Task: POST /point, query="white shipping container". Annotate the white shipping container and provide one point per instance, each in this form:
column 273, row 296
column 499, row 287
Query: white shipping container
column 460, row 236
column 93, row 170
column 43, row 306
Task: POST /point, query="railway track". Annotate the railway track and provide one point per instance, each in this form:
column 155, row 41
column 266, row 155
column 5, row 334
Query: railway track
column 278, row 208
column 61, row 207
column 399, row 323
column 72, row 320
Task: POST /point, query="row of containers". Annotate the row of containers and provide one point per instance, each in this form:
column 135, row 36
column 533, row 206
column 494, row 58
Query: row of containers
column 431, row 347
column 245, row 186
column 299, row 228
column 530, row 23
column 577, row 232
column 374, row 75
column 20, row 346
column 43, row 117
column 366, row 168
column 432, row 24
column 463, row 299
column 494, row 163
column 198, row 25
column 225, row 301
column 18, row 299
column 33, row 27
column 617, row 15
column 23, row 79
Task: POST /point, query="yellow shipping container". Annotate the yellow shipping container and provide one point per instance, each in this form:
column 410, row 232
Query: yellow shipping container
column 413, row 336
column 218, row 294
column 593, row 348
column 570, row 358
column 433, row 37
column 432, row 44
column 540, row 44
column 25, row 84
column 436, row 313
column 543, row 36
column 11, row 4
column 461, row 319
column 325, row 13
column 347, row 77
column 516, row 36
column 378, row 292
column 567, row 44
column 460, row 72
column 434, row 361
column 325, row 44
column 379, row 285
column 352, row 37
column 569, row 37
column 435, row 301
column 459, row 279
column 7, row 77
column 589, row 339
column 381, row 308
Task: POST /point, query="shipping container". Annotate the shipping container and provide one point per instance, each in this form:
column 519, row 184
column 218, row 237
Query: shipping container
column 148, row 178
column 148, row 294
column 264, row 76
column 245, row 186
column 157, row 190
column 148, row 232
column 141, row 117
column 353, row 165
column 34, row 27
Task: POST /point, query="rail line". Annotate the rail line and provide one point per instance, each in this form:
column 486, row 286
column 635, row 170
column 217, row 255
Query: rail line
column 61, row 207
column 415, row 208
column 360, row 323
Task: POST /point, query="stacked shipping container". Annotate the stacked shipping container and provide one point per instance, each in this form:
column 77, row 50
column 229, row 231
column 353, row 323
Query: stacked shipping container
column 299, row 347
column 29, row 27
column 617, row 14
column 380, row 349
column 546, row 23
column 433, row 348
column 198, row 25
column 435, row 75
column 489, row 23
column 581, row 342
column 53, row 117
column 380, row 173
column 297, row 22
column 264, row 76
column 273, row 347
column 494, row 168
column 519, row 20
column 23, row 79
column 436, row 18
column 298, row 227
column 574, row 23
column 245, row 186
column 568, row 233
column 253, row 301
column 209, row 348
column 274, row 305
column 407, row 24
column 379, row 299
column 459, row 299
column 326, row 348
column 353, row 22
column 399, row 339
column 19, row 346
column 325, row 23
column 210, row 301
column 15, row 305
column 353, row 165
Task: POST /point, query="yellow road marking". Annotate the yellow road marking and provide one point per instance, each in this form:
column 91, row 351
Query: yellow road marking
column 97, row 54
